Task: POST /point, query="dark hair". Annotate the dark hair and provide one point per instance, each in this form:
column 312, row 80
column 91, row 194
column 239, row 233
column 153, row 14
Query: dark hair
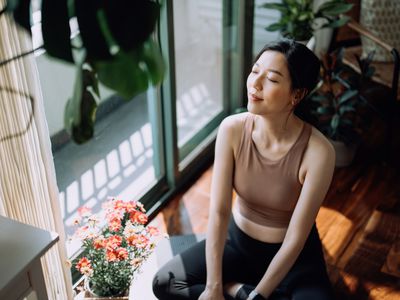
column 304, row 67
column 302, row 63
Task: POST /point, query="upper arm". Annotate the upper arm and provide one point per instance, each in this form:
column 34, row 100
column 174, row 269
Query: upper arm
column 222, row 178
column 320, row 165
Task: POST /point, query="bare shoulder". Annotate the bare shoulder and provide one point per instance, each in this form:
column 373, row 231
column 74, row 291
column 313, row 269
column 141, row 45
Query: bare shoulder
column 230, row 129
column 233, row 124
column 319, row 148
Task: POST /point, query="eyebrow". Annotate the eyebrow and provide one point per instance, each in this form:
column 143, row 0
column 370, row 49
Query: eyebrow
column 271, row 70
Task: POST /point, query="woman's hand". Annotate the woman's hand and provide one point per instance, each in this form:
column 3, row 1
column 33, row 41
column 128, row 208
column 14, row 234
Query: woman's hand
column 212, row 294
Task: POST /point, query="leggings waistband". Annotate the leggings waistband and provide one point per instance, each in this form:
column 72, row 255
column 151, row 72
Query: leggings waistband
column 251, row 247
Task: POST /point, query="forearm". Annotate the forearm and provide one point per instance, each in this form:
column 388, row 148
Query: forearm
column 278, row 269
column 215, row 241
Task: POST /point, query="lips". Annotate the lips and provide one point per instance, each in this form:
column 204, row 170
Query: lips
column 254, row 98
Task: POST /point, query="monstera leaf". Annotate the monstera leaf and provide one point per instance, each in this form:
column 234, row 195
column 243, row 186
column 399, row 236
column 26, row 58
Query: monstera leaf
column 55, row 29
column 115, row 37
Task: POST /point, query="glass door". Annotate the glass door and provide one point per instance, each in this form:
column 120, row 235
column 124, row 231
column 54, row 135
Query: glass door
column 198, row 44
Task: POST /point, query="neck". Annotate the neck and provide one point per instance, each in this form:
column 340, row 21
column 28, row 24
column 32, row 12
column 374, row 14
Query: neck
column 277, row 128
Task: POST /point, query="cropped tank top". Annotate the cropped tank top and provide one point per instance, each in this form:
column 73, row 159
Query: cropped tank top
column 267, row 189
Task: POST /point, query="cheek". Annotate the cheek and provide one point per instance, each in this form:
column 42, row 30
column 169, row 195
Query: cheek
column 249, row 81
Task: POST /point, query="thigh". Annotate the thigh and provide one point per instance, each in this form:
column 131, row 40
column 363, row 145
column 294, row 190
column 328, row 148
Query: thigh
column 190, row 266
column 310, row 268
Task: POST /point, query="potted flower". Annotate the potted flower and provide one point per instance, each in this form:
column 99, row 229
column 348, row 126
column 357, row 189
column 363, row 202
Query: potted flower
column 299, row 20
column 338, row 100
column 114, row 248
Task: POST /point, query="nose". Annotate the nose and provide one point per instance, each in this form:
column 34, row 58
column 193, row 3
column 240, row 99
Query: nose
column 255, row 85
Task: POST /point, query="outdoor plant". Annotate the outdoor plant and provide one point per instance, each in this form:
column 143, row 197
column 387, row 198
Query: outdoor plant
column 114, row 246
column 339, row 96
column 298, row 19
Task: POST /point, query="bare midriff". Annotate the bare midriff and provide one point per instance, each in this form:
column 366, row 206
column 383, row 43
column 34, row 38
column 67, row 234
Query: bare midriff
column 266, row 234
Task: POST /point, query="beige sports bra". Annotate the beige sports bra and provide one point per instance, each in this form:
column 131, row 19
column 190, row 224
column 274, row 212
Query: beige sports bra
column 268, row 190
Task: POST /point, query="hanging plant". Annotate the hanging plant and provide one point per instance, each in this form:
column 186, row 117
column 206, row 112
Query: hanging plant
column 114, row 46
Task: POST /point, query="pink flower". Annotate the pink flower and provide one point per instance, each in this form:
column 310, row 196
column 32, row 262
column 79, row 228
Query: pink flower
column 114, row 224
column 99, row 243
column 136, row 262
column 84, row 211
column 113, row 242
column 138, row 217
column 121, row 253
column 119, row 205
column 111, row 255
column 138, row 240
column 130, row 206
column 84, row 266
column 153, row 230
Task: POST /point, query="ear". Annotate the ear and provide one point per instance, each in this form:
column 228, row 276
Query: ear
column 298, row 95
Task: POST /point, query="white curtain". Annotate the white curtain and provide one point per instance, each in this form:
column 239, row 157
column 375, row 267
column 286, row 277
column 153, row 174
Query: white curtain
column 28, row 190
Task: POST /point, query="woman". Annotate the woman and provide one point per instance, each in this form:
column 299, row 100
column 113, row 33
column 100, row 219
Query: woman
column 281, row 168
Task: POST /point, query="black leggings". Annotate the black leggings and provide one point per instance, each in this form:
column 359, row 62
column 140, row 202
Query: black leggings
column 245, row 260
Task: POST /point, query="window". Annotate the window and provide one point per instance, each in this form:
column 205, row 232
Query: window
column 140, row 145
column 198, row 45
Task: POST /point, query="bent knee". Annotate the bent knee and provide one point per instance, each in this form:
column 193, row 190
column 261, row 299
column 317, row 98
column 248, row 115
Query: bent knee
column 161, row 285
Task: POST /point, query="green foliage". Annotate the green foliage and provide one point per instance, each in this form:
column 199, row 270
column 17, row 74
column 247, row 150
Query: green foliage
column 338, row 97
column 116, row 45
column 298, row 19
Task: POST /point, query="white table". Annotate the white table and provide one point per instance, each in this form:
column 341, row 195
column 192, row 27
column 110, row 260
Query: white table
column 21, row 247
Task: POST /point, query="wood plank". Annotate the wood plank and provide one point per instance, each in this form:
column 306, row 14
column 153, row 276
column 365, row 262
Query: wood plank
column 392, row 263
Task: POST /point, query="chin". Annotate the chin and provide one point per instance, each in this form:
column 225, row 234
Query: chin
column 251, row 108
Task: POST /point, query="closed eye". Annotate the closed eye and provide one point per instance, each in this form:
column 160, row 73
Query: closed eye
column 274, row 81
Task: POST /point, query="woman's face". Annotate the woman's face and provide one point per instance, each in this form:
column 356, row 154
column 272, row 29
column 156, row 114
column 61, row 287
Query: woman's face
column 269, row 85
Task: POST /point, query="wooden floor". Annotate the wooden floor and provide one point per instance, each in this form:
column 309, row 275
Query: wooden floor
column 359, row 224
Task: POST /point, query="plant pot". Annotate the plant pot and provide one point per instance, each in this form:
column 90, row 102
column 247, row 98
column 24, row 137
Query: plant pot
column 310, row 43
column 90, row 295
column 344, row 153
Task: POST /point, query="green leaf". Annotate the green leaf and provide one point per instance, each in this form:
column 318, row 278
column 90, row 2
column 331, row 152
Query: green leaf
column 124, row 74
column 347, row 108
column 55, row 29
column 131, row 22
column 278, row 6
column 90, row 31
column 335, row 122
column 304, row 16
column 347, row 95
column 274, row 27
column 337, row 23
column 154, row 61
column 347, row 122
column 318, row 98
column 333, row 8
column 322, row 110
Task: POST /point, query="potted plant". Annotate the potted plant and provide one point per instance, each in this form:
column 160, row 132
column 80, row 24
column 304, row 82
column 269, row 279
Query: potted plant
column 299, row 20
column 114, row 247
column 338, row 99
